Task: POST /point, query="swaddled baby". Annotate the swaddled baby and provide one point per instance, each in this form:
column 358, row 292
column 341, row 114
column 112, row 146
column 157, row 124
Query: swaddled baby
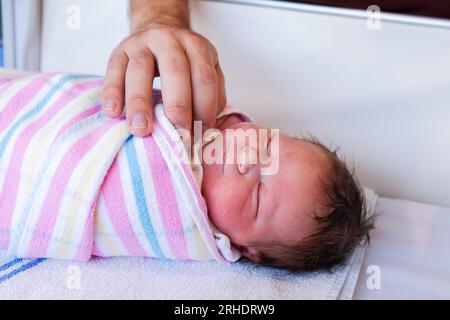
column 74, row 183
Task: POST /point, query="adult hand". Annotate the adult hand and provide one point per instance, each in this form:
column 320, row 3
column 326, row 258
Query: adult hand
column 192, row 82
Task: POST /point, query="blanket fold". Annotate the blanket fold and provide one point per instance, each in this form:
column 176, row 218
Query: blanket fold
column 74, row 183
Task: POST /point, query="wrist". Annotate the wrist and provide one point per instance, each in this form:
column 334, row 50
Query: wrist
column 160, row 22
column 159, row 13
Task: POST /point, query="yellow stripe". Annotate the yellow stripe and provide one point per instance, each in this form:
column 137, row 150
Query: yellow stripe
column 117, row 133
column 111, row 248
column 202, row 250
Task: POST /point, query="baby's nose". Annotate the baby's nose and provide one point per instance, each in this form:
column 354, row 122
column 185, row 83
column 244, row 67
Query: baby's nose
column 247, row 159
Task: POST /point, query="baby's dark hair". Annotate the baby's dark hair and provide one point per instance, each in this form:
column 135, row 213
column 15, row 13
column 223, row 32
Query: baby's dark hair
column 344, row 226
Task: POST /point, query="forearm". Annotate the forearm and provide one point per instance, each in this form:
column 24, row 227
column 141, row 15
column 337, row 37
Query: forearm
column 145, row 13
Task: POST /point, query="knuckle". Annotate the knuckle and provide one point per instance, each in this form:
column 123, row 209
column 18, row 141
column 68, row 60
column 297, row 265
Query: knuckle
column 177, row 108
column 122, row 44
column 173, row 63
column 116, row 60
column 112, row 90
column 199, row 42
column 130, row 41
column 139, row 60
column 205, row 115
column 203, row 45
column 117, row 51
column 178, row 113
column 205, row 74
column 161, row 33
column 137, row 101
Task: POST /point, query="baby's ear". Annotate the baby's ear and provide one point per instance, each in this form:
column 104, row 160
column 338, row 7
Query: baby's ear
column 250, row 253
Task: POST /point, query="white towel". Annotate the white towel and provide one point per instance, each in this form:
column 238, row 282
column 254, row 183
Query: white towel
column 141, row 278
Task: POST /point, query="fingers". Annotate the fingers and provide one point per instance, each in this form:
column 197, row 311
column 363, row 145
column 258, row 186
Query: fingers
column 114, row 84
column 192, row 81
column 138, row 92
column 175, row 83
column 222, row 94
column 204, row 79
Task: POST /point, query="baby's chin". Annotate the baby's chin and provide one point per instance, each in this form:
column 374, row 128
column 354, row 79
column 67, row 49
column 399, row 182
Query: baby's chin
column 209, row 180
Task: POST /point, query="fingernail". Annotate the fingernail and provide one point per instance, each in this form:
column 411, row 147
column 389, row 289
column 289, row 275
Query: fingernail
column 139, row 121
column 109, row 105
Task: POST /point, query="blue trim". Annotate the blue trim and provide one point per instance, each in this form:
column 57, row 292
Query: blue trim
column 10, row 264
column 139, row 194
column 24, row 267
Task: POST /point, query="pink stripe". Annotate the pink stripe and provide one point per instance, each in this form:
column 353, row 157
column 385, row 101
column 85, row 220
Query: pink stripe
column 52, row 203
column 96, row 251
column 167, row 199
column 117, row 210
column 9, row 191
column 188, row 173
column 20, row 100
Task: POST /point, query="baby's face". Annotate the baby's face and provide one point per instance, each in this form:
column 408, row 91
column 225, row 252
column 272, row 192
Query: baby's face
column 253, row 208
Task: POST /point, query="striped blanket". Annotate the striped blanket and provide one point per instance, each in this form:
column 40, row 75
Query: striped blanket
column 74, row 183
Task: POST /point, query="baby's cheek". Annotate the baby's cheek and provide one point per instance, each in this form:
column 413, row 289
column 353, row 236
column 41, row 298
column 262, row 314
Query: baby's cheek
column 225, row 205
column 228, row 202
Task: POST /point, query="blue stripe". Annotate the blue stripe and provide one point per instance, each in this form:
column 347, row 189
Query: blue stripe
column 10, row 264
column 139, row 194
column 24, row 267
column 39, row 106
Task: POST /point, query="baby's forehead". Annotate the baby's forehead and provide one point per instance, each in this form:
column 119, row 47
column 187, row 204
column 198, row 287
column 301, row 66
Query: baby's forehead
column 297, row 186
column 302, row 152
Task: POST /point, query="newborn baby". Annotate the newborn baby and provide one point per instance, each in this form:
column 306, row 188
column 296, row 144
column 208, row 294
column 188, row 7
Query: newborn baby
column 307, row 214
column 73, row 183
